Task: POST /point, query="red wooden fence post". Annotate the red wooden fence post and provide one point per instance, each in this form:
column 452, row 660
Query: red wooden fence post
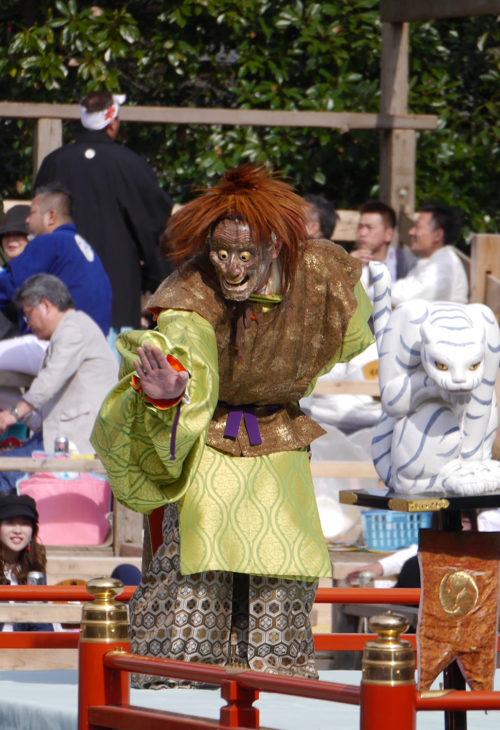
column 239, row 711
column 104, row 627
column 388, row 691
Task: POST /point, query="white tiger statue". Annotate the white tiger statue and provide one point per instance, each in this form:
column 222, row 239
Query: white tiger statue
column 438, row 362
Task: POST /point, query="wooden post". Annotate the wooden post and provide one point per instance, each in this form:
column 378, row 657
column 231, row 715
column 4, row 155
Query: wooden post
column 496, row 445
column 397, row 146
column 388, row 692
column 47, row 137
column 104, row 627
column 127, row 530
column 485, row 259
column 398, row 10
column 239, row 710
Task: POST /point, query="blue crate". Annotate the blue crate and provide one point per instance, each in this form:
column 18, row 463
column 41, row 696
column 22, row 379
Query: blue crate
column 386, row 530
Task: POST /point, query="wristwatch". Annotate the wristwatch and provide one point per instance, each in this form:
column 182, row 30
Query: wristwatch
column 15, row 413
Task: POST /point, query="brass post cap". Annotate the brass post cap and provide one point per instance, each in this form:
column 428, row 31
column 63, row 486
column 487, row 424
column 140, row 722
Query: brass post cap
column 387, row 660
column 104, row 619
column 388, row 625
column 105, row 589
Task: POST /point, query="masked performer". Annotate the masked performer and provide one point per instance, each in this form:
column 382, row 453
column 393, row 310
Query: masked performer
column 207, row 435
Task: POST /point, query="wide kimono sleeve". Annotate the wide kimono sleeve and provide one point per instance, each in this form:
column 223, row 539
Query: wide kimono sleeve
column 358, row 335
column 151, row 452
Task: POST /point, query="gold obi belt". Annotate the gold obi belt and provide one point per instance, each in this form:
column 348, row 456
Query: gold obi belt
column 256, row 430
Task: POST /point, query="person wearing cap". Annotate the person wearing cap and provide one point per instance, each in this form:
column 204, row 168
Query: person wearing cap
column 13, row 232
column 118, row 205
column 20, row 551
column 14, row 239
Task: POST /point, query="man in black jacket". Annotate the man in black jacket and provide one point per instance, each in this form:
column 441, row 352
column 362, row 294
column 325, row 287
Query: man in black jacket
column 119, row 207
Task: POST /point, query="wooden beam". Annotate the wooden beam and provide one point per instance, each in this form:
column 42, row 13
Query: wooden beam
column 492, row 296
column 394, row 68
column 38, row 659
column 263, row 118
column 400, row 11
column 256, row 117
column 32, row 110
column 69, row 562
column 397, row 171
column 127, row 528
column 29, row 464
column 8, row 203
column 485, row 259
column 338, row 469
column 347, row 387
column 65, row 613
column 496, row 444
column 397, row 147
column 485, row 287
column 406, row 221
column 465, row 261
column 347, row 223
column 48, row 136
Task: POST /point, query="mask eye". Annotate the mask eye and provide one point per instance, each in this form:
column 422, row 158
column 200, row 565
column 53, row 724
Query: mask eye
column 222, row 254
column 440, row 365
column 245, row 256
column 475, row 366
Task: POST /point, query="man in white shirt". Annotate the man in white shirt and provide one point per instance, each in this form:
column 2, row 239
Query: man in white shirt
column 439, row 273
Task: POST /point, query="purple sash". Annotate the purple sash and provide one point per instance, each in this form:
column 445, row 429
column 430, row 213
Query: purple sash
column 236, row 413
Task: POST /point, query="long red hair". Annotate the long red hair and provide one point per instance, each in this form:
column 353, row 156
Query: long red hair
column 269, row 206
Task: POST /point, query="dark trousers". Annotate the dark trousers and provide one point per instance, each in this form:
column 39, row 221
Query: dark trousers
column 8, row 479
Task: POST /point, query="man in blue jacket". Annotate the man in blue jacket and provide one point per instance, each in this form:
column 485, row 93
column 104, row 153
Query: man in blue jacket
column 59, row 250
column 56, row 249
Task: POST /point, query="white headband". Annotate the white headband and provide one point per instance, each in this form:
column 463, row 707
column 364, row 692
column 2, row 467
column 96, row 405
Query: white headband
column 99, row 120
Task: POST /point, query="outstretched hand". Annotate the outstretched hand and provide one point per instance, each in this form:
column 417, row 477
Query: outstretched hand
column 158, row 378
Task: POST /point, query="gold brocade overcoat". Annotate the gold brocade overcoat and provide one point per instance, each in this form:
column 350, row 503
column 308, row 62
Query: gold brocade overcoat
column 284, row 348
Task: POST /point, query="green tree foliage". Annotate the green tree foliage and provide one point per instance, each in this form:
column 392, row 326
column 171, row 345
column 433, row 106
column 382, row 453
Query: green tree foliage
column 274, row 54
column 455, row 73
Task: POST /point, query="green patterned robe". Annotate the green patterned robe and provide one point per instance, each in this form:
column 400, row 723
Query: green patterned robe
column 241, row 514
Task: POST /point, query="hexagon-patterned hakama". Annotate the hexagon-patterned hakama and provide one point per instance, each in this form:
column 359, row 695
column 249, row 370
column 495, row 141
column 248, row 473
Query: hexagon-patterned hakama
column 256, row 622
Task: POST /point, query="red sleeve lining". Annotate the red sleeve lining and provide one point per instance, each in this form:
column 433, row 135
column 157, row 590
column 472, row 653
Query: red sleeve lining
column 162, row 403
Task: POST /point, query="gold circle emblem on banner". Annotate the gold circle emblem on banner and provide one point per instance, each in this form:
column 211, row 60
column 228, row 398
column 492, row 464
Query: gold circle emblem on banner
column 458, row 593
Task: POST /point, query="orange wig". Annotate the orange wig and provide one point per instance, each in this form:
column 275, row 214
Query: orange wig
column 269, row 206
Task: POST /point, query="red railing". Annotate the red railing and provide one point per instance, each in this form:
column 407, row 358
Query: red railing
column 54, row 593
column 104, row 685
column 324, row 595
column 239, row 689
column 322, row 642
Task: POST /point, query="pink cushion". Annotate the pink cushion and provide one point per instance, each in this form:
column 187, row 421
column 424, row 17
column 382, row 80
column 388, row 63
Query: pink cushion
column 72, row 510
